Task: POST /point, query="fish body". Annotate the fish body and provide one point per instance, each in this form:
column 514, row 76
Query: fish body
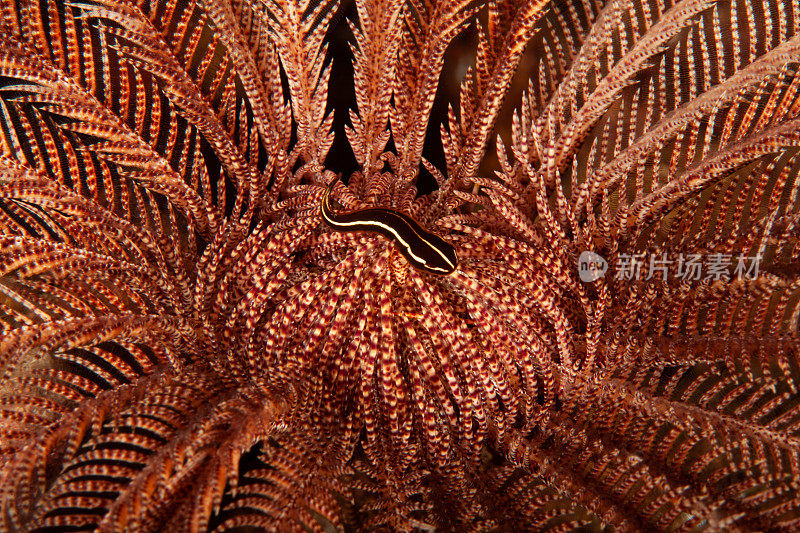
column 423, row 249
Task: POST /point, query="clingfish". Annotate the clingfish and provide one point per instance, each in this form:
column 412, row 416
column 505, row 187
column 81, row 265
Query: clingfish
column 421, row 248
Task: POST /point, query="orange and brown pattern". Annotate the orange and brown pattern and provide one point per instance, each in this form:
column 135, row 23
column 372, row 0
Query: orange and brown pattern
column 187, row 346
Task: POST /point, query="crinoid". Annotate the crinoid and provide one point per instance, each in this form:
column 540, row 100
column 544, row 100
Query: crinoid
column 611, row 342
